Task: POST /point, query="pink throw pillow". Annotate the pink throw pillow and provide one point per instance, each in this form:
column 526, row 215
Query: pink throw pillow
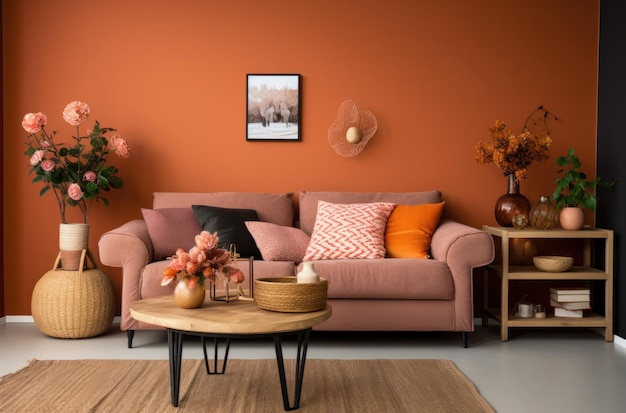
column 278, row 243
column 170, row 229
column 349, row 231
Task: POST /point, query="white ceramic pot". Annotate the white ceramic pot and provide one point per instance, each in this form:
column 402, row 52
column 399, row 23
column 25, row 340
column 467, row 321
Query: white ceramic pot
column 73, row 239
column 307, row 275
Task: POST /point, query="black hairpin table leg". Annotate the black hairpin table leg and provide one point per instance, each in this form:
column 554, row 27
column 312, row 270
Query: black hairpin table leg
column 215, row 356
column 303, row 342
column 175, row 344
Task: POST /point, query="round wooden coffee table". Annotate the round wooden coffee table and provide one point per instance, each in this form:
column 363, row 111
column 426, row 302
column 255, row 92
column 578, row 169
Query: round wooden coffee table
column 221, row 320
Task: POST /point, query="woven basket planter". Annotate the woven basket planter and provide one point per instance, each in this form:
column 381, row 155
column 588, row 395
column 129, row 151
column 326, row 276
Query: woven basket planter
column 284, row 294
column 73, row 304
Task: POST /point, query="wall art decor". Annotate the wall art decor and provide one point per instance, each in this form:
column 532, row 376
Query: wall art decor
column 273, row 107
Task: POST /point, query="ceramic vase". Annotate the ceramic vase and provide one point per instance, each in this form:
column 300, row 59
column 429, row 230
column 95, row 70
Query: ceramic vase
column 511, row 204
column 307, row 275
column 73, row 239
column 189, row 295
column 544, row 215
column 572, row 218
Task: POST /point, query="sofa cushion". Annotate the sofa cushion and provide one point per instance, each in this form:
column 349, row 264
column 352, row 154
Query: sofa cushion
column 387, row 279
column 229, row 223
column 308, row 201
column 275, row 208
column 410, row 229
column 279, row 243
column 349, row 231
column 170, row 229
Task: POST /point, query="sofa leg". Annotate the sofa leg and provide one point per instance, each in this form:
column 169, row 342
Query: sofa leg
column 130, row 334
column 464, row 338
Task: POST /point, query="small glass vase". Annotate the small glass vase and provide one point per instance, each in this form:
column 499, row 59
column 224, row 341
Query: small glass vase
column 511, row 204
column 229, row 293
column 544, row 215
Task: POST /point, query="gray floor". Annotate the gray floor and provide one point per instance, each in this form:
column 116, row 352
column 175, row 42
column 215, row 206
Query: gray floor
column 565, row 370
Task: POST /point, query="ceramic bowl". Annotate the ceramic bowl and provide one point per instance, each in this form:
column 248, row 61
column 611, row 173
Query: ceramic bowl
column 553, row 263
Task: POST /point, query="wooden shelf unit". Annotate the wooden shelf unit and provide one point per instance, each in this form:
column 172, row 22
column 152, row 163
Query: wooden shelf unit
column 587, row 272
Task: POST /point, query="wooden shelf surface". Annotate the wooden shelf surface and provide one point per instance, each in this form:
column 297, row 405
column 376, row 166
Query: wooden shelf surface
column 548, row 233
column 531, row 273
column 590, row 319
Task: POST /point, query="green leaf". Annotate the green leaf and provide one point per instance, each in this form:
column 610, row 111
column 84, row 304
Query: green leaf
column 116, row 182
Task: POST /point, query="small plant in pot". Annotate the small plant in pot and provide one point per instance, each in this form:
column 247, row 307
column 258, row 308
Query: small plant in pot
column 574, row 192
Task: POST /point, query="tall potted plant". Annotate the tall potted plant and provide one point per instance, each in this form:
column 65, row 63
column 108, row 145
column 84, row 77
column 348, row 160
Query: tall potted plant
column 76, row 173
column 574, row 192
column 77, row 301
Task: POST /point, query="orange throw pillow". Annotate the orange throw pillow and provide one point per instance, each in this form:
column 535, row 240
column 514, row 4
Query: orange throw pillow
column 410, row 229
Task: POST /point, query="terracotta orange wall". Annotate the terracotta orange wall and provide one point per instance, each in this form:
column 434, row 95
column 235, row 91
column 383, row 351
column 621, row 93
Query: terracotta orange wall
column 170, row 75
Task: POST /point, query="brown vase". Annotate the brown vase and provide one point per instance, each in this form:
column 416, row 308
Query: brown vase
column 189, row 297
column 511, row 204
column 572, row 218
column 544, row 215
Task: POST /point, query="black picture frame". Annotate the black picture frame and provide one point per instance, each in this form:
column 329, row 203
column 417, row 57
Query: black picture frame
column 273, row 107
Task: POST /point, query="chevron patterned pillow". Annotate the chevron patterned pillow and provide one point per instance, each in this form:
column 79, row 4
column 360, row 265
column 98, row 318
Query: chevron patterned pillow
column 349, row 231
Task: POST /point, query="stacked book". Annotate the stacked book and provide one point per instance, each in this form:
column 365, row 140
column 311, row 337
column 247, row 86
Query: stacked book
column 570, row 302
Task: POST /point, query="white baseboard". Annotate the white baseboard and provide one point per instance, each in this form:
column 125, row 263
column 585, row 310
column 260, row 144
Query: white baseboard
column 17, row 319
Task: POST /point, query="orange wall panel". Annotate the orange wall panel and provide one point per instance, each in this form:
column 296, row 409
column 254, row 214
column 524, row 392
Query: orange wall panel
column 171, row 76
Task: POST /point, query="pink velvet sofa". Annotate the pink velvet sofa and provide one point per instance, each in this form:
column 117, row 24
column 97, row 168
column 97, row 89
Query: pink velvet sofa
column 381, row 294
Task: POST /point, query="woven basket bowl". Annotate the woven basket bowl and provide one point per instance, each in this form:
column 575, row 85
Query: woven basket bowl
column 73, row 304
column 284, row 294
column 553, row 263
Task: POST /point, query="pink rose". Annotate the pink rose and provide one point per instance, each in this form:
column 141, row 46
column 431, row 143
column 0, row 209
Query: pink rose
column 74, row 192
column 37, row 157
column 235, row 275
column 120, row 146
column 47, row 165
column 206, row 241
column 33, row 122
column 76, row 113
column 192, row 267
column 90, row 176
column 45, row 144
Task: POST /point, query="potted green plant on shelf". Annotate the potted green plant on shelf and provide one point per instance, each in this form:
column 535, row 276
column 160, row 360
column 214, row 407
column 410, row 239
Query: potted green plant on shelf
column 574, row 192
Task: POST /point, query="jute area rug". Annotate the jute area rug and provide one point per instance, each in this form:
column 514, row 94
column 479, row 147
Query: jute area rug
column 128, row 386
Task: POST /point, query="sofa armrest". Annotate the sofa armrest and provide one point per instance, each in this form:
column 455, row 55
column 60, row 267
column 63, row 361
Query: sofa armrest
column 128, row 246
column 462, row 248
column 458, row 244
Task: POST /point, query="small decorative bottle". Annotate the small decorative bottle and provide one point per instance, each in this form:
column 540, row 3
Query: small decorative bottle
column 543, row 215
column 307, row 274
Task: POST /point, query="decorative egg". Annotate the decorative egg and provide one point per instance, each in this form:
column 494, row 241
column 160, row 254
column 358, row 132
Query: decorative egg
column 353, row 135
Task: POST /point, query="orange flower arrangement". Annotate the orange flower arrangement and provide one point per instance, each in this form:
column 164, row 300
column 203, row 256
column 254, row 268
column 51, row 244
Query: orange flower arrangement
column 204, row 261
column 513, row 154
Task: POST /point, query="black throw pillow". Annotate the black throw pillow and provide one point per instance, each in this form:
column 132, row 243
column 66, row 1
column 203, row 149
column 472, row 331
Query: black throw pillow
column 229, row 223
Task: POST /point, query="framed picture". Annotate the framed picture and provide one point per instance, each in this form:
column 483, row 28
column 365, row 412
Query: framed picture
column 273, row 107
